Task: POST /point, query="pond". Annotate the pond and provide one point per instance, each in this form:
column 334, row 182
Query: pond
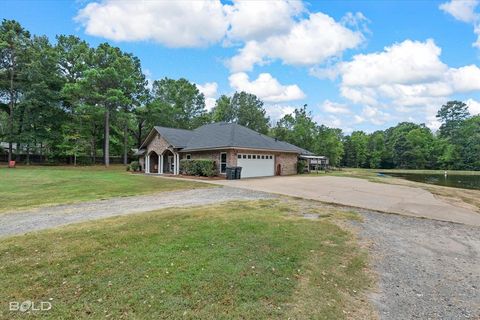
column 451, row 180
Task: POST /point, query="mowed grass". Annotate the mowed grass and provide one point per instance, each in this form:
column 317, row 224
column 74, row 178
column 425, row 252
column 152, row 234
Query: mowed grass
column 243, row 260
column 32, row 186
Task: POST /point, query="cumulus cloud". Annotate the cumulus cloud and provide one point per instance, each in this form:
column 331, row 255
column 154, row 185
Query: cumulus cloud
column 266, row 87
column 335, row 107
column 464, row 10
column 258, row 20
column 278, row 111
column 172, row 23
column 407, row 77
column 310, row 41
column 473, row 106
column 209, row 90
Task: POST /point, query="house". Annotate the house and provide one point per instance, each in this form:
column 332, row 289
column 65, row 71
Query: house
column 228, row 144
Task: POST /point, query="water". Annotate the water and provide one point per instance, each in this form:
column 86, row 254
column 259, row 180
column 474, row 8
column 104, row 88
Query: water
column 451, row 180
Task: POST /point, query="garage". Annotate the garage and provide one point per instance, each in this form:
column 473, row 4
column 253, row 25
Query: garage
column 256, row 165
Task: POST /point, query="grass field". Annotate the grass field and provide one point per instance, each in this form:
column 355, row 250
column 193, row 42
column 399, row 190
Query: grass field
column 32, row 186
column 248, row 260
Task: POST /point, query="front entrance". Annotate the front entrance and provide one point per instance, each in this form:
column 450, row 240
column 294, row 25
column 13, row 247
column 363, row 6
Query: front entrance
column 168, row 162
column 153, row 162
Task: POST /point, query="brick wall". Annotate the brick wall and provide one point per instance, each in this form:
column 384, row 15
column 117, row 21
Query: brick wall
column 287, row 161
column 158, row 144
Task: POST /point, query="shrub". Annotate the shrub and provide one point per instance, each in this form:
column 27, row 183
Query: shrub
column 198, row 167
column 135, row 166
column 301, row 165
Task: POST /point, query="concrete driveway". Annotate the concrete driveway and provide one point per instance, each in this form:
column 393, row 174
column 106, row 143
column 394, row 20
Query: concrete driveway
column 363, row 194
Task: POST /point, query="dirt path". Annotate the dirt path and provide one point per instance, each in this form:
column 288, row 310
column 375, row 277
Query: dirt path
column 361, row 193
column 49, row 217
column 426, row 269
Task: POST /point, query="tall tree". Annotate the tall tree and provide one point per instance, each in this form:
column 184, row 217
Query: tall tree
column 40, row 104
column 177, row 103
column 242, row 108
column 451, row 115
column 14, row 43
column 111, row 84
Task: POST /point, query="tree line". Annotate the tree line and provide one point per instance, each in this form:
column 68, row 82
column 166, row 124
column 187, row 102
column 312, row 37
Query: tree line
column 71, row 99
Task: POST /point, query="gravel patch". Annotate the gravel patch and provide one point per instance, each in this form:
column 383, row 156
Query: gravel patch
column 49, row 217
column 426, row 269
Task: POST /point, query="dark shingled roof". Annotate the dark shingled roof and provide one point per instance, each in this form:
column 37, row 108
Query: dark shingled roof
column 223, row 135
column 178, row 138
column 232, row 135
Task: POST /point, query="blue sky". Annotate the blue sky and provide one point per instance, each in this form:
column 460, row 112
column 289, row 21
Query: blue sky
column 357, row 64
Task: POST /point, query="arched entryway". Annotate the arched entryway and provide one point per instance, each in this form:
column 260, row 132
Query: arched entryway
column 168, row 162
column 153, row 162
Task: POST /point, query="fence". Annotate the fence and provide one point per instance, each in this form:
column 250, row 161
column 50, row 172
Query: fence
column 61, row 160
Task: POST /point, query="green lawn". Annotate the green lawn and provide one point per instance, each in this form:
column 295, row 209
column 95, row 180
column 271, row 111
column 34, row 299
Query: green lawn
column 32, row 186
column 248, row 260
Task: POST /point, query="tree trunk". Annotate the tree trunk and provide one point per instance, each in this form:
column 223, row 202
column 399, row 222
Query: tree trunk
column 139, row 137
column 94, row 144
column 125, row 144
column 106, row 154
column 10, row 116
column 28, row 154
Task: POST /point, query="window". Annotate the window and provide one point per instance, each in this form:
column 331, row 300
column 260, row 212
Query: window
column 223, row 162
column 239, row 156
column 254, row 156
column 244, row 156
column 263, row 157
column 189, row 156
column 270, row 157
column 249, row 156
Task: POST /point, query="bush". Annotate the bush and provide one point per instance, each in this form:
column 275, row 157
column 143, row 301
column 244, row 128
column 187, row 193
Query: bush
column 198, row 167
column 135, row 166
column 301, row 164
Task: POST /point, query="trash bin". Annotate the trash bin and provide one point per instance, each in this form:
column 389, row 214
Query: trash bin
column 230, row 173
column 238, row 172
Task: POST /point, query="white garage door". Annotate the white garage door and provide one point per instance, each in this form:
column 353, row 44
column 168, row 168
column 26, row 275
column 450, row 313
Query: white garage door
column 256, row 165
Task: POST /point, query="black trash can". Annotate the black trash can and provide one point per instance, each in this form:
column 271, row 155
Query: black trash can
column 238, row 172
column 230, row 173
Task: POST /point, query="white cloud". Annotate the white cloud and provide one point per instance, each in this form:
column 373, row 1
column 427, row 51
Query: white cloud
column 310, row 41
column 334, row 107
column 277, row 112
column 209, row 90
column 258, row 20
column 266, row 87
column 405, row 80
column 407, row 62
column 171, row 23
column 473, row 106
column 267, row 30
column 464, row 10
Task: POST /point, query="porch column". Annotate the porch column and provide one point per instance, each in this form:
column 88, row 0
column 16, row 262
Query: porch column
column 160, row 164
column 147, row 164
column 177, row 163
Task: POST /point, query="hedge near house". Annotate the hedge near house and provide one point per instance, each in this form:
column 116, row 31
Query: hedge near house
column 198, row 167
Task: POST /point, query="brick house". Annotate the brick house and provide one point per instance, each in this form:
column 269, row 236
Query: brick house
column 228, row 144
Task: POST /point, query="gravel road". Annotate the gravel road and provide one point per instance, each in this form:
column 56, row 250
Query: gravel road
column 426, row 269
column 49, row 217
